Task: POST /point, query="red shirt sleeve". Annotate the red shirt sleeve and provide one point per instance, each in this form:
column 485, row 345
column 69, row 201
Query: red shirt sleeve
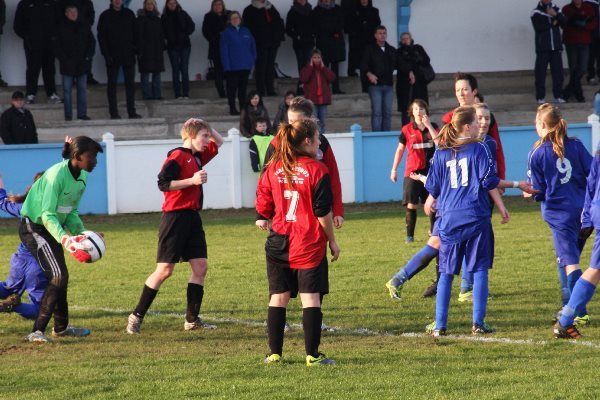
column 336, row 184
column 265, row 206
column 494, row 134
column 209, row 153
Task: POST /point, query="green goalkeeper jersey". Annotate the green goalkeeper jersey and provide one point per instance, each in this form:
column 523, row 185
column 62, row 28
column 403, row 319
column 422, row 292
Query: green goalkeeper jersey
column 53, row 200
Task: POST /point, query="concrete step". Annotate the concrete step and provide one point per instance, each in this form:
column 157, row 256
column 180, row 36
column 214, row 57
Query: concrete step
column 124, row 129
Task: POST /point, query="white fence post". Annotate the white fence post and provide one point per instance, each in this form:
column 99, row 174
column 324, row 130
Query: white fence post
column 594, row 121
column 111, row 194
column 236, row 168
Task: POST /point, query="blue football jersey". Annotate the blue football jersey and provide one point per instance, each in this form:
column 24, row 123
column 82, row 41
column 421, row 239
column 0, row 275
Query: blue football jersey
column 460, row 181
column 561, row 183
column 591, row 207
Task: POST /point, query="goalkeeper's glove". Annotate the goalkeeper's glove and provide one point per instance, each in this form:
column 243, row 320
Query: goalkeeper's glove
column 73, row 245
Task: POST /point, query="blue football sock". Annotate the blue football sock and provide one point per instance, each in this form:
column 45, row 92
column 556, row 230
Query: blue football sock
column 480, row 295
column 415, row 265
column 442, row 300
column 3, row 292
column 28, row 311
column 572, row 279
column 564, row 286
column 581, row 295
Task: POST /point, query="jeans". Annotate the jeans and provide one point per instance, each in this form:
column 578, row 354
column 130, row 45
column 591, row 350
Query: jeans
column 577, row 55
column 542, row 59
column 150, row 90
column 180, row 60
column 321, row 114
column 381, row 108
column 81, row 81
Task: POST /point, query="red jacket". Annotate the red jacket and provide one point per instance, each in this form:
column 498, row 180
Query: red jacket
column 494, row 134
column 295, row 209
column 580, row 24
column 316, row 82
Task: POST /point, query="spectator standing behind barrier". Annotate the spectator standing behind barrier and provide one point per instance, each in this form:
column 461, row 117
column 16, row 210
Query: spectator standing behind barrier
column 410, row 82
column 238, row 54
column 85, row 12
column 328, row 20
column 2, row 21
column 281, row 115
column 546, row 19
column 577, row 36
column 150, row 49
column 593, row 67
column 266, row 25
column 74, row 47
column 177, row 27
column 16, row 123
column 299, row 26
column 35, row 23
column 378, row 65
column 253, row 109
column 214, row 23
column 117, row 37
column 363, row 21
column 316, row 78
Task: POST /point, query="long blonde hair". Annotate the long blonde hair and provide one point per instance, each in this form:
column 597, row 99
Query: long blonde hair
column 450, row 135
column 550, row 115
column 289, row 146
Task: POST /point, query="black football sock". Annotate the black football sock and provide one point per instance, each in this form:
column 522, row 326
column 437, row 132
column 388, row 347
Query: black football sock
column 411, row 221
column 47, row 306
column 432, row 219
column 312, row 317
column 195, row 293
column 61, row 311
column 146, row 299
column 275, row 326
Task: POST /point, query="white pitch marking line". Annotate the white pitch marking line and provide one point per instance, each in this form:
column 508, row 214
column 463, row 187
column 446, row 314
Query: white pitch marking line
column 355, row 331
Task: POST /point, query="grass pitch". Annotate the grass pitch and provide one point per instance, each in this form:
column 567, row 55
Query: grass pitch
column 380, row 347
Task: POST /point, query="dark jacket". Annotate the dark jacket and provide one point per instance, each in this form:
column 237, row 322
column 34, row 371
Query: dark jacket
column 74, row 47
column 85, row 9
column 238, row 50
column 329, row 25
column 581, row 22
column 2, row 16
column 177, row 27
column 547, row 28
column 316, row 83
column 212, row 26
column 266, row 25
column 117, row 36
column 17, row 127
column 410, row 58
column 363, row 21
column 151, row 43
column 35, row 22
column 298, row 25
column 382, row 64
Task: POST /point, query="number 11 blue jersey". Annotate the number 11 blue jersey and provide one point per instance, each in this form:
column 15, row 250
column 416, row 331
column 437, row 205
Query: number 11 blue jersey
column 460, row 180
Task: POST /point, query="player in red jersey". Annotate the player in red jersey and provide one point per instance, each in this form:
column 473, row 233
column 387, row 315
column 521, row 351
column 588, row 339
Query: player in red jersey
column 294, row 192
column 181, row 236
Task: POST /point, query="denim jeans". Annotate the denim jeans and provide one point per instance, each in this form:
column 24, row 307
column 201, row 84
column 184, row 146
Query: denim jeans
column 577, row 56
column 150, row 90
column 321, row 114
column 81, row 81
column 180, row 59
column 381, row 108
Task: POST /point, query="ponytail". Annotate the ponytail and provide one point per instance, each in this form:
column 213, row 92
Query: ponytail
column 556, row 129
column 451, row 133
column 289, row 146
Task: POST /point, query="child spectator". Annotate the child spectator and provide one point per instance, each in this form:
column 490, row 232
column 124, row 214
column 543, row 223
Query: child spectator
column 281, row 116
column 259, row 143
column 253, row 108
column 316, row 78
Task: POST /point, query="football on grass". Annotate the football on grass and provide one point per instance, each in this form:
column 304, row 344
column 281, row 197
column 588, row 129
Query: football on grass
column 94, row 245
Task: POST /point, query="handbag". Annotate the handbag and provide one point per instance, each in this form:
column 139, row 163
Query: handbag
column 427, row 73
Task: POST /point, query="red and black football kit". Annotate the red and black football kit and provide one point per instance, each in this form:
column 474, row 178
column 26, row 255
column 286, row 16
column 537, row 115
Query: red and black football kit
column 420, row 148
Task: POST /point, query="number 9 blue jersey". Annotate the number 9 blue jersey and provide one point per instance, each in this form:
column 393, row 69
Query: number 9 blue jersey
column 460, row 181
column 561, row 183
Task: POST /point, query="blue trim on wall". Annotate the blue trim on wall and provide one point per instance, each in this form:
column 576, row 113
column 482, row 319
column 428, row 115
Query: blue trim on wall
column 19, row 163
column 403, row 16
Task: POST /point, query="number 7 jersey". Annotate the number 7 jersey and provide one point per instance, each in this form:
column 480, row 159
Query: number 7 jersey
column 295, row 209
column 561, row 183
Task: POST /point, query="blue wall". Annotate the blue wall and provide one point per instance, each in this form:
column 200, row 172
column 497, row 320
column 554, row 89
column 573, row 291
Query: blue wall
column 19, row 163
column 374, row 154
